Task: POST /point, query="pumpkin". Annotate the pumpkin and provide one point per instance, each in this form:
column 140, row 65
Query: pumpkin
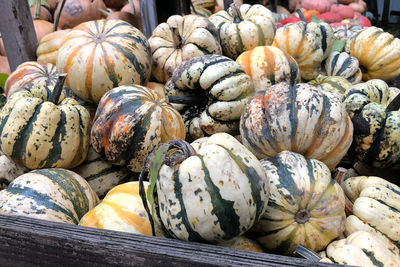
column 244, row 29
column 9, row 170
column 359, row 6
column 44, row 12
column 49, row 194
column 344, row 11
column 333, row 84
column 40, row 129
column 242, row 243
column 102, row 54
column 4, row 66
column 100, row 174
column 180, row 39
column 298, row 118
column 121, row 210
column 376, row 138
column 125, row 135
column 306, row 206
column 28, row 74
column 201, row 11
column 268, row 65
column 346, row 31
column 49, row 45
column 210, row 92
column 209, row 4
column 375, row 209
column 198, row 200
column 319, row 5
column 79, row 11
column 2, row 49
column 362, row 249
column 308, row 43
column 42, row 28
column 307, row 13
column 117, row 4
column 344, row 65
column 346, row 1
column 378, row 53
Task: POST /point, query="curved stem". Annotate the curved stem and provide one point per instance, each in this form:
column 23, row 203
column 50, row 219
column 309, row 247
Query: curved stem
column 37, row 9
column 237, row 16
column 58, row 15
column 185, row 150
column 132, row 6
column 106, row 13
column 301, row 15
column 55, row 96
column 176, row 37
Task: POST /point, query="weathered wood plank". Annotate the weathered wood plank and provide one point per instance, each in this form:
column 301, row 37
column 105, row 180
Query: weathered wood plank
column 148, row 12
column 32, row 242
column 18, row 32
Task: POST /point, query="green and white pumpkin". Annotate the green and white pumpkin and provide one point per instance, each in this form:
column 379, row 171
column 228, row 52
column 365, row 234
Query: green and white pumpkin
column 334, row 84
column 242, row 29
column 9, row 170
column 344, row 65
column 55, row 195
column 210, row 92
column 215, row 192
column 306, row 206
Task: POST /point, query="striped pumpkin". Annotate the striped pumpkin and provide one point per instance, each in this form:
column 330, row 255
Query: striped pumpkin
column 121, row 210
column 308, row 43
column 306, row 206
column 199, row 200
column 39, row 133
column 333, row 84
column 130, row 122
column 216, row 90
column 376, row 207
column 298, row 118
column 180, row 39
column 268, row 65
column 344, row 65
column 244, row 29
column 362, row 249
column 378, row 53
column 102, row 54
column 201, row 11
column 49, row 194
column 203, row 8
column 100, row 174
column 30, row 74
column 376, row 124
column 346, row 31
column 48, row 46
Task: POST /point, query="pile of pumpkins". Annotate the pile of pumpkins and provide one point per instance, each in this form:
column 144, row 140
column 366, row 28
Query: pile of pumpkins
column 222, row 130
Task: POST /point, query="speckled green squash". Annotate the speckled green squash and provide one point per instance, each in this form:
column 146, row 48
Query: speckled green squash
column 344, row 65
column 218, row 89
column 9, row 170
column 215, row 194
column 376, row 126
column 306, row 206
column 298, row 118
column 242, row 29
column 333, row 84
column 100, row 174
column 37, row 133
column 55, row 195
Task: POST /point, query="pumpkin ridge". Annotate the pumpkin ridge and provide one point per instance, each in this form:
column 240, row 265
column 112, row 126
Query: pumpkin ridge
column 239, row 47
column 225, row 77
column 334, row 61
column 285, row 245
column 346, row 63
column 370, row 255
column 326, row 190
column 293, row 117
column 110, row 70
column 76, row 161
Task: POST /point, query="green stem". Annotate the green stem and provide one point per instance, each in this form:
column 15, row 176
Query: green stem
column 301, row 15
column 106, row 13
column 37, row 9
column 237, row 16
column 55, row 96
column 133, row 7
column 176, row 38
column 58, row 15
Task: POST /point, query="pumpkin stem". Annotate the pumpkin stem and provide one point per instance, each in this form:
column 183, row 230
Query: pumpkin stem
column 187, row 99
column 339, row 178
column 133, row 7
column 176, row 37
column 302, row 216
column 307, row 253
column 106, row 13
column 184, row 150
column 237, row 16
column 394, row 105
column 37, row 9
column 58, row 15
column 55, row 96
column 301, row 15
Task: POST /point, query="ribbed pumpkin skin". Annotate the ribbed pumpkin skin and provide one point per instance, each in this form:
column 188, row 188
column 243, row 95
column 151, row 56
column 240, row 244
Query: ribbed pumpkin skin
column 49, row 194
column 198, row 37
column 48, row 47
column 39, row 134
column 256, row 29
column 268, row 65
column 309, row 44
column 30, row 74
column 121, row 210
column 298, row 118
column 368, row 102
column 215, row 195
column 223, row 88
column 100, row 174
column 362, row 249
column 334, row 84
column 345, row 32
column 378, row 53
column 344, row 65
column 130, row 122
column 376, row 206
column 103, row 54
column 299, row 185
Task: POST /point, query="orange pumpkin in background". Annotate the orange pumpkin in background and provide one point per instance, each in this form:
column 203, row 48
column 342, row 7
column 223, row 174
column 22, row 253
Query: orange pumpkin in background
column 4, row 66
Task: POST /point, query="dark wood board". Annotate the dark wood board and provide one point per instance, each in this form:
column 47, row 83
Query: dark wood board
column 18, row 32
column 30, row 242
